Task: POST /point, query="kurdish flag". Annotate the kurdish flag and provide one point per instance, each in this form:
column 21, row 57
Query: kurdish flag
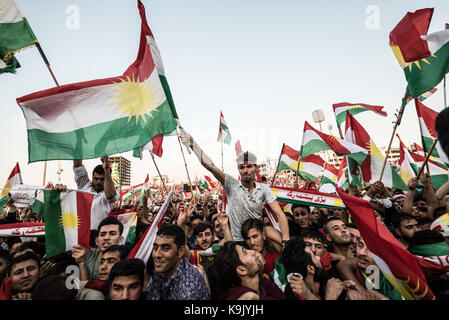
column 399, row 266
column 15, row 177
column 423, row 57
column 289, row 159
column 314, row 141
column 372, row 166
column 115, row 173
column 426, row 118
column 409, row 168
column 330, row 174
column 342, row 175
column 15, row 32
column 421, row 98
column 340, row 110
column 310, row 167
column 209, row 180
column 144, row 247
column 129, row 221
column 100, row 117
column 67, row 220
column 224, row 131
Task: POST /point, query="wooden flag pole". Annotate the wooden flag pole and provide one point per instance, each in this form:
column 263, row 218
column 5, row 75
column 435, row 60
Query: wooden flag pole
column 222, row 166
column 427, row 158
column 39, row 48
column 279, row 161
column 444, row 92
column 398, row 121
column 159, row 173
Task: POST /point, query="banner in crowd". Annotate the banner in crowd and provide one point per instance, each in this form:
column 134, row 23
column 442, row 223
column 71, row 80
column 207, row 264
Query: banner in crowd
column 307, row 197
column 22, row 229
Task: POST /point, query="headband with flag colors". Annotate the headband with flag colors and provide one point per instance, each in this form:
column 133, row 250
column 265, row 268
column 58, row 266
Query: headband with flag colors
column 100, row 117
column 426, row 118
column 372, row 166
column 289, row 159
column 340, row 110
column 423, row 57
column 224, row 131
column 314, row 141
column 67, row 220
column 142, row 250
column 398, row 265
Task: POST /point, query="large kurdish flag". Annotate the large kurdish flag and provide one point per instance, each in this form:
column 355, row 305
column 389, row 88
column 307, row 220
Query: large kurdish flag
column 340, row 110
column 314, row 141
column 423, row 57
column 101, row 117
column 67, row 220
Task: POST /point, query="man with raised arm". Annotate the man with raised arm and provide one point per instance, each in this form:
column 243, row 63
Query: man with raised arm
column 245, row 196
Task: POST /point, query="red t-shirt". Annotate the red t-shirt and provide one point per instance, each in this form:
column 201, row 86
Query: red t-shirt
column 270, row 259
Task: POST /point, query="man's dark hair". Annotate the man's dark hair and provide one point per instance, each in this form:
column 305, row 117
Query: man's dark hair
column 424, row 220
column 439, row 212
column 122, row 250
column 313, row 234
column 111, row 220
column 196, row 216
column 295, row 258
column 61, row 262
column 250, row 224
column 173, row 231
column 398, row 218
column 425, row 237
column 300, row 206
column 201, row 227
column 331, row 218
column 98, row 169
column 128, row 267
column 352, row 225
column 36, row 247
column 29, row 255
column 441, row 126
column 53, row 287
column 222, row 274
column 93, row 236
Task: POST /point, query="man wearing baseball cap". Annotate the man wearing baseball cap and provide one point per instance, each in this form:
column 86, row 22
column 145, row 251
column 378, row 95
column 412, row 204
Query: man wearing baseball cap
column 245, row 196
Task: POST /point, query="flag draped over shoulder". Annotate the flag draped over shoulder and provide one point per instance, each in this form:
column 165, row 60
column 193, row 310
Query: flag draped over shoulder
column 340, row 110
column 423, row 57
column 314, row 141
column 398, row 265
column 223, row 132
column 67, row 220
column 144, row 247
column 100, row 117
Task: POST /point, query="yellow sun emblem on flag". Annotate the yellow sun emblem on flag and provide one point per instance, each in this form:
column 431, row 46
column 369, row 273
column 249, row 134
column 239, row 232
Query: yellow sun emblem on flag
column 406, row 175
column 375, row 152
column 1, row 12
column 398, row 54
column 136, row 99
column 70, row 220
column 6, row 189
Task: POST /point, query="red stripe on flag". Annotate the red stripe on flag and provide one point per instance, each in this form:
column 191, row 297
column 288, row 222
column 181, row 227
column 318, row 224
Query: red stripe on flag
column 84, row 205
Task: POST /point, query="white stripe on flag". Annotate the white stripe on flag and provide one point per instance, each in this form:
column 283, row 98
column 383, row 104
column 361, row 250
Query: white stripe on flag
column 68, row 208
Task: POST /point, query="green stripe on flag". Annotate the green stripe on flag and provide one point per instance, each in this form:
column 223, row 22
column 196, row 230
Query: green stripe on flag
column 76, row 144
column 54, row 232
column 15, row 36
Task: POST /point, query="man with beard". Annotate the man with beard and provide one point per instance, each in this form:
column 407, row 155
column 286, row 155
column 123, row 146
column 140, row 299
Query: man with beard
column 241, row 269
column 306, row 278
column 405, row 226
column 245, row 196
column 337, row 234
column 101, row 184
column 360, row 268
column 174, row 278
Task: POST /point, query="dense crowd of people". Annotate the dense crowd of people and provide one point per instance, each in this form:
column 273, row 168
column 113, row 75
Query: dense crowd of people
column 213, row 248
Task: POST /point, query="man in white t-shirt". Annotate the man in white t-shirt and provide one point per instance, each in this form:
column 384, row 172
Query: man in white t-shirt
column 245, row 196
column 101, row 184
